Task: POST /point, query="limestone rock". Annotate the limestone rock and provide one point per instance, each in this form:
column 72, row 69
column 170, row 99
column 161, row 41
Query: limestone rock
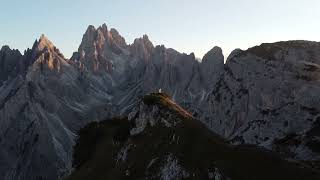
column 267, row 93
column 142, row 48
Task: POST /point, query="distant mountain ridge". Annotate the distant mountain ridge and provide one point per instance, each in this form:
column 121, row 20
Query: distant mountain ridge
column 259, row 96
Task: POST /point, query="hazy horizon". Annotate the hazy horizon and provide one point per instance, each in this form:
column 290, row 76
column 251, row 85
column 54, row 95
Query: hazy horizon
column 186, row 26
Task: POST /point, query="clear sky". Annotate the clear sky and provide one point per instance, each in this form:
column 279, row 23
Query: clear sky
column 185, row 25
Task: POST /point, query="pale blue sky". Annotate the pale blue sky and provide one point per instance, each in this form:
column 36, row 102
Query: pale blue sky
column 186, row 25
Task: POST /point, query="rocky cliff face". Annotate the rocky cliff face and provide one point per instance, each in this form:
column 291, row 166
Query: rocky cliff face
column 130, row 71
column 265, row 95
column 40, row 110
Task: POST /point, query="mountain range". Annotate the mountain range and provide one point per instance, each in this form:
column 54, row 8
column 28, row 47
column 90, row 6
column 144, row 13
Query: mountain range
column 265, row 96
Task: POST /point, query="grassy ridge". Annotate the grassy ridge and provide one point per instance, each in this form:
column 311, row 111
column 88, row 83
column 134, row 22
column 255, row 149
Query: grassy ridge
column 197, row 149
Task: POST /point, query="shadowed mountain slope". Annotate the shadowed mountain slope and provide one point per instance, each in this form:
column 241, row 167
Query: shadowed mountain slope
column 160, row 140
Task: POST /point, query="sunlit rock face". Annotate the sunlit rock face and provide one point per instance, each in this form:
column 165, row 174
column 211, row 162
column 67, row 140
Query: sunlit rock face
column 99, row 48
column 130, row 71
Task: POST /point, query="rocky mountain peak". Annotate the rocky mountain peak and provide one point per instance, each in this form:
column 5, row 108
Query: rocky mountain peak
column 103, row 28
column 44, row 46
column 215, row 54
column 117, row 38
column 192, row 55
column 142, row 47
column 44, row 55
column 5, row 48
column 100, row 38
column 234, row 53
column 43, row 43
column 98, row 46
column 90, row 29
column 9, row 63
column 212, row 65
column 145, row 38
column 151, row 109
column 88, row 38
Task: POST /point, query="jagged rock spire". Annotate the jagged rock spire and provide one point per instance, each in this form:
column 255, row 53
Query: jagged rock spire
column 97, row 48
column 45, row 57
column 212, row 65
column 215, row 54
column 43, row 43
column 142, row 47
column 117, row 38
